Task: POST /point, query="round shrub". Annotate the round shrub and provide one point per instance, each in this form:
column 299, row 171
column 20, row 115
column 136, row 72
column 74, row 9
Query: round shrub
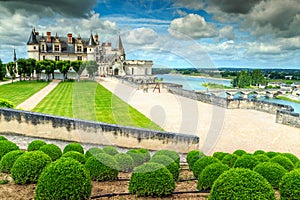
column 74, row 146
column 66, row 178
column 51, row 150
column 220, row 155
column 35, row 145
column 93, row 151
column 283, row 161
column 246, row 161
column 289, row 185
column 200, row 164
column 258, row 152
column 172, row 154
column 151, row 179
column 75, row 155
column 110, row 150
column 169, row 163
column 262, row 157
column 7, row 146
column 125, row 161
column 137, row 156
column 210, row 174
column 102, row 167
column 4, row 103
column 230, row 159
column 273, row 172
column 28, row 167
column 193, row 156
column 145, row 153
column 272, row 154
column 297, row 165
column 2, row 138
column 239, row 152
column 9, row 159
column 291, row 156
column 239, row 183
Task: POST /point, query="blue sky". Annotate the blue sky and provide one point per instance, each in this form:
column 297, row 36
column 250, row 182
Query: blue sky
column 172, row 33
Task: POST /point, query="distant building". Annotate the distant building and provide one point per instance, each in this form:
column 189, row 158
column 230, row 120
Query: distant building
column 111, row 61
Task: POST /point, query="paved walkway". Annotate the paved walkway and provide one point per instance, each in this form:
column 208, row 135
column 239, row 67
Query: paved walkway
column 31, row 102
column 7, row 82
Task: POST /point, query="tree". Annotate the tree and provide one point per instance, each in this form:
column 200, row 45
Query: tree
column 21, row 67
column 78, row 67
column 242, row 80
column 12, row 70
column 30, row 67
column 63, row 66
column 92, row 68
column 2, row 70
column 38, row 69
column 257, row 77
column 48, row 66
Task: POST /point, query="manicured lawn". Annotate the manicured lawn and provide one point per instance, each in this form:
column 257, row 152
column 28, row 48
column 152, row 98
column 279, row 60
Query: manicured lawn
column 91, row 101
column 18, row 92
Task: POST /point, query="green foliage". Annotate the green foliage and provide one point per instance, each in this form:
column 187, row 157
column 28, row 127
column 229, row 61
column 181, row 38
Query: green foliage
column 262, row 157
column 2, row 71
column 271, row 154
column 273, row 172
column 193, row 156
column 28, row 167
column 172, row 154
column 145, row 153
column 239, row 152
column 230, row 159
column 125, row 161
column 200, row 164
column 9, row 159
column 220, row 155
column 102, row 167
column 169, row 163
column 35, row 145
column 151, row 179
column 6, row 104
column 289, row 185
column 297, row 165
column 243, row 79
column 93, row 151
column 137, row 156
column 210, row 174
column 51, row 150
column 291, row 156
column 283, row 161
column 7, row 146
column 2, row 138
column 66, row 178
column 75, row 155
column 110, row 150
column 257, row 152
column 74, row 146
column 239, row 183
column 257, row 77
column 246, row 161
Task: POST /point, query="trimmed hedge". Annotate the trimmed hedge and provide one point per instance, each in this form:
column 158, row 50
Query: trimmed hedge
column 151, row 179
column 193, row 156
column 210, row 174
column 220, row 155
column 74, row 146
column 93, row 151
column 66, row 178
column 291, row 156
column 230, row 159
column 283, row 161
column 262, row 157
column 273, row 172
column 239, row 183
column 258, row 152
column 7, row 146
column 4, row 103
column 289, row 185
column 3, row 138
column 125, row 161
column 200, row 164
column 169, row 163
column 51, row 150
column 272, row 154
column 9, row 159
column 75, row 155
column 35, row 145
column 172, row 154
column 239, row 152
column 110, row 150
column 28, row 167
column 102, row 167
column 145, row 153
column 246, row 161
column 137, row 156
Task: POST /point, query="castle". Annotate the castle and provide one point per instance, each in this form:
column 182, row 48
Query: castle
column 111, row 61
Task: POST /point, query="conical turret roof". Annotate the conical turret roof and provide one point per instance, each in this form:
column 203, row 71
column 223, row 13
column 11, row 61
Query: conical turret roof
column 91, row 41
column 32, row 38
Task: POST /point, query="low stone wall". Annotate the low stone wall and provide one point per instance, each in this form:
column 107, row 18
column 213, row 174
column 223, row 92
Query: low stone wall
column 288, row 118
column 67, row 129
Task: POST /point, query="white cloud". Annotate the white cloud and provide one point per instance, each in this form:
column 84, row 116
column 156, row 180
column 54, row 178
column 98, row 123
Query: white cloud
column 192, row 26
column 141, row 36
column 227, row 33
column 190, row 4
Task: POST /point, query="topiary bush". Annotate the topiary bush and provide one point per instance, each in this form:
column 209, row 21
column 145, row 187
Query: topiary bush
column 151, row 179
column 220, row 155
column 7, row 146
column 273, row 172
column 169, row 163
column 66, row 178
column 28, row 167
column 51, row 150
column 289, row 185
column 2, row 138
column 110, row 150
column 102, row 167
column 246, row 161
column 230, row 159
column 200, row 164
column 74, row 146
column 258, row 152
column 297, row 165
column 239, row 152
column 239, row 183
column 35, row 145
column 4, row 103
column 291, row 156
column 172, row 154
column 75, row 155
column 262, row 157
column 271, row 154
column 9, row 159
column 137, row 156
column 145, row 153
column 210, row 174
column 125, row 161
column 193, row 156
column 93, row 151
column 283, row 161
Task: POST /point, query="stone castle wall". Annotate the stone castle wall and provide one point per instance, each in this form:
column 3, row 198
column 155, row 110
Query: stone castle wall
column 288, row 118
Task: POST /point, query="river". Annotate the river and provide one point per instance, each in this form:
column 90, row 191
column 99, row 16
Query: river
column 195, row 83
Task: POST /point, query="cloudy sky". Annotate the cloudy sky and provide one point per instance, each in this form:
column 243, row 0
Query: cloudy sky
column 172, row 33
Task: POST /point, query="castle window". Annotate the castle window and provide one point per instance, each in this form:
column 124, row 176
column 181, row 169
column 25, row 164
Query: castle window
column 56, row 58
column 34, row 47
column 43, row 47
column 44, row 57
column 79, row 49
column 56, row 47
column 132, row 71
column 79, row 57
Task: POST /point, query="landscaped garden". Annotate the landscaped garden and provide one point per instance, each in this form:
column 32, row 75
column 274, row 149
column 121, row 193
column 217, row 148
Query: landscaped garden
column 44, row 171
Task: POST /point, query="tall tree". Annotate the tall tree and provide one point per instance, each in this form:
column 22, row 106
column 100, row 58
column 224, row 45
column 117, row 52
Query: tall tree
column 257, row 77
column 21, row 67
column 12, row 70
column 48, row 66
column 2, row 71
column 92, row 68
column 30, row 67
column 63, row 66
column 243, row 79
column 78, row 67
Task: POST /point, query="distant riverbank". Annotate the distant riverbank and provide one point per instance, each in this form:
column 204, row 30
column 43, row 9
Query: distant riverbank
column 204, row 77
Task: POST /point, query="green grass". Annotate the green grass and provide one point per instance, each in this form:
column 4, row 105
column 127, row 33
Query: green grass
column 215, row 86
column 287, row 99
column 18, row 92
column 91, row 101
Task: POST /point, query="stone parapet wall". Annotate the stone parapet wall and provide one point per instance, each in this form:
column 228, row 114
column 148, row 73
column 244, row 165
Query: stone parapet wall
column 288, row 118
column 67, row 129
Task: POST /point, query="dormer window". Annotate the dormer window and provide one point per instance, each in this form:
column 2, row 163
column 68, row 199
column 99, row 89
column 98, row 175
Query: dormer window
column 56, row 47
column 79, row 48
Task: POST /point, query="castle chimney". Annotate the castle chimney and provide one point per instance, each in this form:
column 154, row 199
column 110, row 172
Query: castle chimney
column 96, row 38
column 70, row 39
column 48, row 36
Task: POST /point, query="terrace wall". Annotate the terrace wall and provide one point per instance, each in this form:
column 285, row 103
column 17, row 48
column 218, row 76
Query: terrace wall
column 288, row 118
column 67, row 129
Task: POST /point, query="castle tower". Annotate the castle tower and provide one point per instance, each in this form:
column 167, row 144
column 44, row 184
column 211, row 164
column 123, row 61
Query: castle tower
column 15, row 55
column 91, row 54
column 121, row 49
column 33, row 46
